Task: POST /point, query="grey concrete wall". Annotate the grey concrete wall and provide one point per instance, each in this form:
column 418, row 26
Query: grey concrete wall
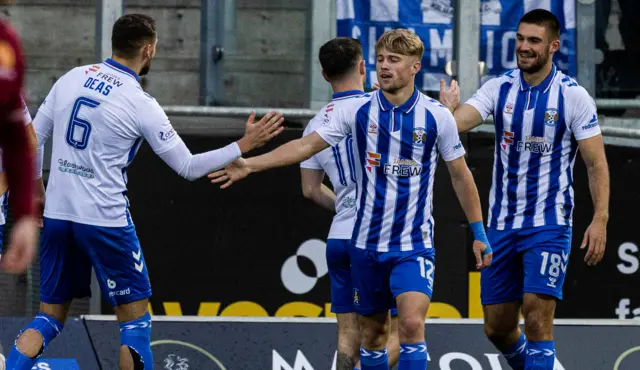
column 267, row 69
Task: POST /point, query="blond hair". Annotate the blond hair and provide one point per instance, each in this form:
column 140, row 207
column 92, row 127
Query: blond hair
column 401, row 41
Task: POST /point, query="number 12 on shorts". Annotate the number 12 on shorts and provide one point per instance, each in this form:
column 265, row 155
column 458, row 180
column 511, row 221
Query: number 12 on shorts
column 426, row 270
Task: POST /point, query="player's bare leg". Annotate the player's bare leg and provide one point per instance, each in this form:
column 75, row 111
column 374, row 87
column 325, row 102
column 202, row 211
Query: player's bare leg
column 393, row 344
column 501, row 324
column 412, row 310
column 501, row 327
column 538, row 311
column 135, row 352
column 32, row 342
column 374, row 334
column 348, row 341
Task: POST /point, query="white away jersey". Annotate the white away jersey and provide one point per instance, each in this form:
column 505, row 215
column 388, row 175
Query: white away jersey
column 4, row 198
column 536, row 132
column 98, row 116
column 396, row 154
column 339, row 164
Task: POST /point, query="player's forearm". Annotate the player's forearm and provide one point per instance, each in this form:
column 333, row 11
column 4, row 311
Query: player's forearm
column 324, row 197
column 598, row 173
column 467, row 193
column 193, row 167
column 287, row 154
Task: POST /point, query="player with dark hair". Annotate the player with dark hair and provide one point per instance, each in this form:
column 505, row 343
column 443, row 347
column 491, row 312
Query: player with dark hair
column 542, row 118
column 343, row 67
column 98, row 116
column 398, row 135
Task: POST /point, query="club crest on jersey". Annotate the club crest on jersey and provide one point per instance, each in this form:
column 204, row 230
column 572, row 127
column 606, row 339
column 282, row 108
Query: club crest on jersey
column 508, row 108
column 419, row 136
column 373, row 160
column 551, row 117
column 373, row 128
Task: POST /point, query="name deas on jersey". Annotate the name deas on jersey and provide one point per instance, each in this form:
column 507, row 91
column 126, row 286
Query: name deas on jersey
column 99, row 86
column 66, row 166
column 535, row 144
column 403, row 168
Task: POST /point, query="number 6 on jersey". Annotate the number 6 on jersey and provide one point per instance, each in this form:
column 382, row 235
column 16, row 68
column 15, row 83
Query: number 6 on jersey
column 79, row 129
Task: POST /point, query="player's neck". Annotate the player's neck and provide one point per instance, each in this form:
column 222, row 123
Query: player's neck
column 131, row 64
column 400, row 96
column 346, row 85
column 535, row 79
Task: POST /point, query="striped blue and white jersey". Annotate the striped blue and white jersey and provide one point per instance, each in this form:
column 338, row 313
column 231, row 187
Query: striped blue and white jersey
column 396, row 153
column 339, row 164
column 537, row 129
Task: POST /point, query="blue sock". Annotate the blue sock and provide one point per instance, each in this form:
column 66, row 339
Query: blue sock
column 516, row 354
column 374, row 359
column 413, row 356
column 540, row 355
column 48, row 327
column 136, row 334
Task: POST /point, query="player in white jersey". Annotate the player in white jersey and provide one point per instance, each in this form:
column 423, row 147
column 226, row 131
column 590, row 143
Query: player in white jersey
column 397, row 136
column 98, row 116
column 343, row 67
column 542, row 117
column 4, row 187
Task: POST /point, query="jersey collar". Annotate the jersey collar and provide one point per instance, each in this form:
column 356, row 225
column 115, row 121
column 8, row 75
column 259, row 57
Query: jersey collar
column 346, row 94
column 544, row 85
column 406, row 107
column 122, row 68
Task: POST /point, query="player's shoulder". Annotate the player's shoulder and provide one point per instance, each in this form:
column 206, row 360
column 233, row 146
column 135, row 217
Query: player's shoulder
column 349, row 102
column 433, row 106
column 571, row 90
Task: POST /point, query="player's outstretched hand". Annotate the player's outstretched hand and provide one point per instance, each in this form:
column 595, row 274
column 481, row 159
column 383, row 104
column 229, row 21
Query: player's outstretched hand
column 235, row 171
column 258, row 134
column 22, row 246
column 596, row 238
column 482, row 259
column 450, row 97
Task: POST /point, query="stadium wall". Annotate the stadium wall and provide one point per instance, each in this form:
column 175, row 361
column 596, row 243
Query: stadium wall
column 309, row 344
column 266, row 69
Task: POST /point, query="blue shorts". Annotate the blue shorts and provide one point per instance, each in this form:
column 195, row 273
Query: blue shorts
column 528, row 260
column 339, row 265
column 379, row 277
column 70, row 249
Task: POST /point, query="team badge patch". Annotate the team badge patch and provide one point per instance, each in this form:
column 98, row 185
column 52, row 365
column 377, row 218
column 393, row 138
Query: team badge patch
column 419, row 136
column 356, row 297
column 551, row 117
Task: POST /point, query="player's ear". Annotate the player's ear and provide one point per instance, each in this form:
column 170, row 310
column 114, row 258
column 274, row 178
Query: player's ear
column 555, row 46
column 415, row 68
column 362, row 67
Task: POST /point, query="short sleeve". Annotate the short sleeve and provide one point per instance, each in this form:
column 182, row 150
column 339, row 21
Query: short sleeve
column 449, row 144
column 311, row 163
column 155, row 127
column 484, row 100
column 582, row 114
column 335, row 125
